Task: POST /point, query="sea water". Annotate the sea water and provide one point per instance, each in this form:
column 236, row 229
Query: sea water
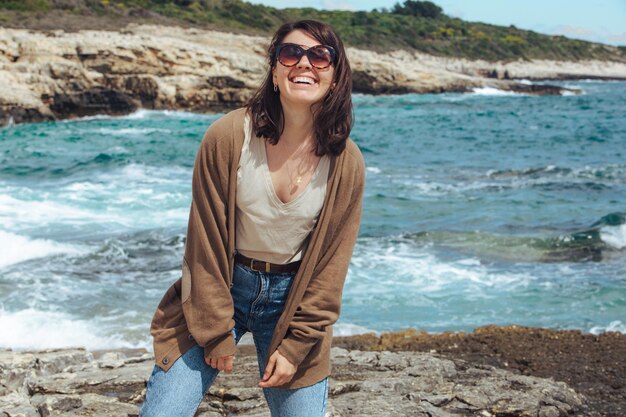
column 480, row 208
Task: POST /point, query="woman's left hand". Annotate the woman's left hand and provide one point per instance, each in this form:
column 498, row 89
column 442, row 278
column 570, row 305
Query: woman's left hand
column 278, row 371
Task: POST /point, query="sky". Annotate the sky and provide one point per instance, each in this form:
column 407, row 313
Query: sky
column 598, row 21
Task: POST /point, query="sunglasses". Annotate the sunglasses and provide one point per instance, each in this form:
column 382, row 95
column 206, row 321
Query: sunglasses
column 320, row 56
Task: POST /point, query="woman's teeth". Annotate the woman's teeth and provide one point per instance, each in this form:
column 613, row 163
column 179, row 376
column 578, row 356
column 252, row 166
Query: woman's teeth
column 303, row 80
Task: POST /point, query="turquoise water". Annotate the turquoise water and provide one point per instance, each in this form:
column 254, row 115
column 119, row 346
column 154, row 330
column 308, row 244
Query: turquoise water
column 483, row 208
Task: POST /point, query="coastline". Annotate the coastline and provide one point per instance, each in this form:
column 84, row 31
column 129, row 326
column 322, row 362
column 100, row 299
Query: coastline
column 519, row 261
column 54, row 74
column 496, row 370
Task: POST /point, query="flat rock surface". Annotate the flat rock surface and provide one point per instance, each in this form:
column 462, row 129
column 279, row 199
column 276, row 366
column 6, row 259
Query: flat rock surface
column 75, row 382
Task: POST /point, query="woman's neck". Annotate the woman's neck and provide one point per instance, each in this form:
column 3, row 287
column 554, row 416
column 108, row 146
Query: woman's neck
column 298, row 126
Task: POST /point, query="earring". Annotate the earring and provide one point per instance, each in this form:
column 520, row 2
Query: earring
column 275, row 88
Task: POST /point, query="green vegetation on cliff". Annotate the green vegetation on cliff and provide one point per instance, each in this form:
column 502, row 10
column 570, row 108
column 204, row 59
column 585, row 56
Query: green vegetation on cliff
column 417, row 25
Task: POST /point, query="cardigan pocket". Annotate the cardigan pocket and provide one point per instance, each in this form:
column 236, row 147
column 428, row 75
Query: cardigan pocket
column 186, row 282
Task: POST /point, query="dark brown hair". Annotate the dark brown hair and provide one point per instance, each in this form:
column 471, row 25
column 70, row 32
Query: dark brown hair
column 333, row 117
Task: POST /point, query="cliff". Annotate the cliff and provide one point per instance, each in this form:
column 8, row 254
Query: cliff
column 49, row 75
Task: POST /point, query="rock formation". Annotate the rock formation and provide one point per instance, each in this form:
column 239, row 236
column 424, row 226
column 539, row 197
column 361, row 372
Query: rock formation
column 49, row 75
column 75, row 382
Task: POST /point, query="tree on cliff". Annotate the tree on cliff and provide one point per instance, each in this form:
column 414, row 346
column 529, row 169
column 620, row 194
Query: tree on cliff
column 418, row 8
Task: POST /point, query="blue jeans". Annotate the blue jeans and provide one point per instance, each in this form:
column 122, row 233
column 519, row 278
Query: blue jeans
column 259, row 299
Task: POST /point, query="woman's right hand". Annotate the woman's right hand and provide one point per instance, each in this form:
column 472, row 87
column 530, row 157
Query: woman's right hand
column 224, row 363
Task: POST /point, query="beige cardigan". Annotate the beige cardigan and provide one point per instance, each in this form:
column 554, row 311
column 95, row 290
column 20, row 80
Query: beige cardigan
column 198, row 307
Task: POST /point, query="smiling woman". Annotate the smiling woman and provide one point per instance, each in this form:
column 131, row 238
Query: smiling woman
column 328, row 99
column 304, row 75
column 275, row 213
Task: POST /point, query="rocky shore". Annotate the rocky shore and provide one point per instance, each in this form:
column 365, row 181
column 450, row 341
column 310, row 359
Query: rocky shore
column 593, row 365
column 54, row 74
column 453, row 378
column 78, row 383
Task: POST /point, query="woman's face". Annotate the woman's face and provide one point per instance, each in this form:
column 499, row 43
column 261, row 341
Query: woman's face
column 293, row 93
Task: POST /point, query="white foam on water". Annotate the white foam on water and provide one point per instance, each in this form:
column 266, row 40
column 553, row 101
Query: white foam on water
column 430, row 188
column 614, row 326
column 177, row 114
column 139, row 114
column 373, row 170
column 614, row 236
column 131, row 183
column 10, row 124
column 45, row 212
column 146, row 174
column 596, row 81
column 401, row 267
column 349, row 329
column 117, row 150
column 490, row 91
column 495, row 179
column 122, row 196
column 85, row 118
column 15, row 248
column 435, row 189
column 131, row 131
column 36, row 329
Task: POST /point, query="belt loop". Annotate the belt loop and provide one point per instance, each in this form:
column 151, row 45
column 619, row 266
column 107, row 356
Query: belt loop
column 252, row 264
column 267, row 267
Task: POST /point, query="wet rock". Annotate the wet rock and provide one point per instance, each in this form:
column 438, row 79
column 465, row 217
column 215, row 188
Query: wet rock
column 538, row 89
column 91, row 102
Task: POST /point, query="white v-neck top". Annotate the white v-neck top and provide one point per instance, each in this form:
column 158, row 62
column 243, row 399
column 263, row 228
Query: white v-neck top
column 266, row 228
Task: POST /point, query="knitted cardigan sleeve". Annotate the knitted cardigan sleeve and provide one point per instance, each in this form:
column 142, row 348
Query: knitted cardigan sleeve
column 205, row 293
column 321, row 302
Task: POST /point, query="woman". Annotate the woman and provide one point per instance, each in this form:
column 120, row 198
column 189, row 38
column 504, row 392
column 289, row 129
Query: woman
column 276, row 205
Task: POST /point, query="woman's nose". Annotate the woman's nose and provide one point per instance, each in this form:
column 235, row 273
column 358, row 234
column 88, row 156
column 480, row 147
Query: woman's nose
column 304, row 62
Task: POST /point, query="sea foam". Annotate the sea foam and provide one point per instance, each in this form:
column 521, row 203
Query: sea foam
column 177, row 114
column 133, row 131
column 349, row 329
column 16, row 248
column 388, row 264
column 614, row 236
column 38, row 212
column 36, row 329
column 614, row 326
column 490, row 91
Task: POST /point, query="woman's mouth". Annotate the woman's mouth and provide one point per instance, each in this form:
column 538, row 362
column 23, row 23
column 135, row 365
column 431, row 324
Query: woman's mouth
column 303, row 80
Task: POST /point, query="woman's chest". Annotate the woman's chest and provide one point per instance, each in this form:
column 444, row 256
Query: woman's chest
column 290, row 176
column 286, row 188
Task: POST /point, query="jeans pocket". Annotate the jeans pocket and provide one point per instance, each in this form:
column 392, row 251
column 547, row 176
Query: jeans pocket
column 283, row 282
column 278, row 292
column 241, row 276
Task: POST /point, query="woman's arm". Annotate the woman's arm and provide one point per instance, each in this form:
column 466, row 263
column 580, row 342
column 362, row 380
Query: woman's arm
column 321, row 303
column 206, row 299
